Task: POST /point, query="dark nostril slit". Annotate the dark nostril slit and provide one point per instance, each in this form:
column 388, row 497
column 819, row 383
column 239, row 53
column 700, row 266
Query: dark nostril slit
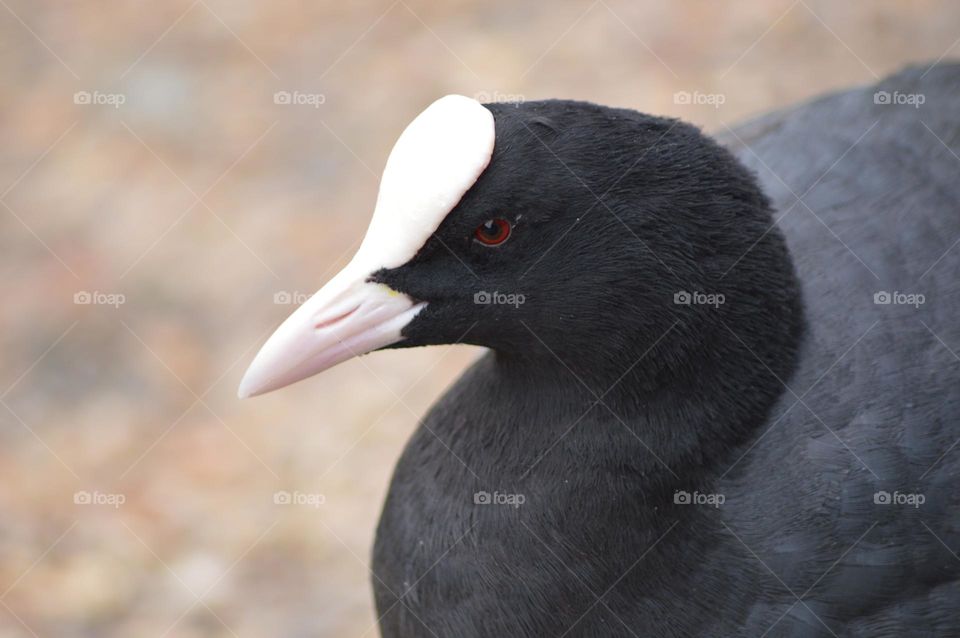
column 329, row 322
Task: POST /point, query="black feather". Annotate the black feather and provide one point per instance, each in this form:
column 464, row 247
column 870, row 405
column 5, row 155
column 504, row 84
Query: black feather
column 795, row 401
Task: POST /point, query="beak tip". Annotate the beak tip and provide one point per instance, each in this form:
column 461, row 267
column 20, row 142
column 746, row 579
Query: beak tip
column 249, row 387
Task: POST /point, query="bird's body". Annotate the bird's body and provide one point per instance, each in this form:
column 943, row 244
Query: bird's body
column 786, row 442
column 722, row 397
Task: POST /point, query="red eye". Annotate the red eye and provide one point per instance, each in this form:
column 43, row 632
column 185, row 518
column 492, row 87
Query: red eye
column 493, row 232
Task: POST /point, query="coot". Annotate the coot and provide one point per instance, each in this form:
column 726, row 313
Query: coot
column 722, row 396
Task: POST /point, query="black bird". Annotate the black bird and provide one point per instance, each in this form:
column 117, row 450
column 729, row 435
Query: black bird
column 722, row 396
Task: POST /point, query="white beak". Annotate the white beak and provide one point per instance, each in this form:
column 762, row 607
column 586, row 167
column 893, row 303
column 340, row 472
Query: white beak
column 346, row 318
column 435, row 161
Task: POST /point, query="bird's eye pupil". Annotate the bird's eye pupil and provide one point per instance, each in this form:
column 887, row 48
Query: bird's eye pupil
column 492, row 232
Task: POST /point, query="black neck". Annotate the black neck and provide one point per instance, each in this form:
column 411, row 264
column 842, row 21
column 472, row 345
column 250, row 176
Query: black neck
column 673, row 415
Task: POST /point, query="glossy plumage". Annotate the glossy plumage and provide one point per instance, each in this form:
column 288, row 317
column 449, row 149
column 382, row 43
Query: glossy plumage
column 799, row 401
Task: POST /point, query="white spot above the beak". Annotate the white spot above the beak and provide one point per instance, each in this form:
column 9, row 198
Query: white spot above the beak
column 437, row 158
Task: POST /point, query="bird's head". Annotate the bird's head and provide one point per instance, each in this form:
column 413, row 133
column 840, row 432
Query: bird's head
column 538, row 228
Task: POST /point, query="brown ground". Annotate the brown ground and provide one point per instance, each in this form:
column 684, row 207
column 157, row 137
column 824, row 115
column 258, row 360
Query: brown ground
column 139, row 400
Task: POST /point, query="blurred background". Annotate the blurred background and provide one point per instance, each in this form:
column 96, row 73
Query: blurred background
column 176, row 177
